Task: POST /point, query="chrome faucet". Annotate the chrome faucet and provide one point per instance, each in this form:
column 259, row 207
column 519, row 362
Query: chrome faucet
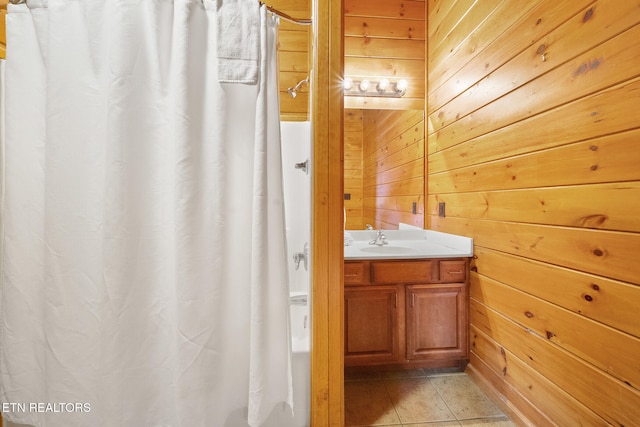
column 368, row 227
column 380, row 239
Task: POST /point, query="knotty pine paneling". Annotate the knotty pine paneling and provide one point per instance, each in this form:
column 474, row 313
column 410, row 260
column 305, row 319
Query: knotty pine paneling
column 533, row 147
column 597, row 115
column 525, row 386
column 353, row 170
column 386, row 39
column 615, row 352
column 529, row 20
column 393, row 168
column 610, row 206
column 294, row 61
column 3, row 47
column 612, row 400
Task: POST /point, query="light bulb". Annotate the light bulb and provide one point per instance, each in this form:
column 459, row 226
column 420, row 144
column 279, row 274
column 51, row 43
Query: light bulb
column 347, row 84
column 364, row 85
column 401, row 86
column 383, row 85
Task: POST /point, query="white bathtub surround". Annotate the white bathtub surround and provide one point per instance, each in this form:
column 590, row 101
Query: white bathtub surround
column 144, row 265
column 296, row 151
column 408, row 243
column 296, row 147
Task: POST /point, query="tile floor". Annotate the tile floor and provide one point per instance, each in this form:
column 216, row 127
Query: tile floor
column 419, row 398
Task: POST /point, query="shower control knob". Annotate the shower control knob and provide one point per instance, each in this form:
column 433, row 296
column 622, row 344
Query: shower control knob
column 304, row 166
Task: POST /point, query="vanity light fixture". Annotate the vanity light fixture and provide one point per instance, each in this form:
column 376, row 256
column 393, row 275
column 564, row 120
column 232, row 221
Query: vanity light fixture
column 384, row 88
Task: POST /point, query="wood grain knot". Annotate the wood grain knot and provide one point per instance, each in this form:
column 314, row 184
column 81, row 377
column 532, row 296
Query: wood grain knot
column 595, row 287
column 588, row 297
column 528, row 314
column 593, row 221
column 550, row 335
column 581, row 70
column 587, row 15
column 598, row 252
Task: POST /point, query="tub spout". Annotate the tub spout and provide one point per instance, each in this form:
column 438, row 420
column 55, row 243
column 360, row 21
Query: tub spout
column 298, row 300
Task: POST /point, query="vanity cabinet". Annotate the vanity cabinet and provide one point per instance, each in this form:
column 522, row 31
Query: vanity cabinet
column 406, row 313
column 372, row 316
column 436, row 321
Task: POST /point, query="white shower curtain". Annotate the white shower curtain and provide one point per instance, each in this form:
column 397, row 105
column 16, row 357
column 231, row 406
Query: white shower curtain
column 144, row 278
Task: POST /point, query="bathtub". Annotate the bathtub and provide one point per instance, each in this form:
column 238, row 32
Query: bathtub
column 301, row 368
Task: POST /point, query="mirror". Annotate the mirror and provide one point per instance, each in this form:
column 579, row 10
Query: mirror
column 383, row 168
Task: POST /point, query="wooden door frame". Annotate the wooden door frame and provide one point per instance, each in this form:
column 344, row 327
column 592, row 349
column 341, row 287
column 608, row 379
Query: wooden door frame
column 327, row 246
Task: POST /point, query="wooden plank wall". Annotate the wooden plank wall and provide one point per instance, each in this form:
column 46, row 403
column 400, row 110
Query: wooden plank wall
column 393, row 168
column 534, row 147
column 353, row 170
column 294, row 60
column 385, row 39
column 3, row 40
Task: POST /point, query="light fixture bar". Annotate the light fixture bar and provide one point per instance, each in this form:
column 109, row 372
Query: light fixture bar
column 382, row 88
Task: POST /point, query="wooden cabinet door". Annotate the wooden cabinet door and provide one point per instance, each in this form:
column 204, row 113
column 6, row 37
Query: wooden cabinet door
column 436, row 321
column 372, row 324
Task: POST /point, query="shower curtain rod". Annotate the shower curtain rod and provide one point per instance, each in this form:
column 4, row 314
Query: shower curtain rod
column 269, row 8
column 285, row 16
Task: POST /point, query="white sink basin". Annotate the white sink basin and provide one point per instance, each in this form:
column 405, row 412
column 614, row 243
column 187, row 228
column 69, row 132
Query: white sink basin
column 407, row 244
column 387, row 249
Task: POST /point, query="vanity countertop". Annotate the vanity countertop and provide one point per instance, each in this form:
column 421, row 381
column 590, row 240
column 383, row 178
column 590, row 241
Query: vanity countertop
column 406, row 244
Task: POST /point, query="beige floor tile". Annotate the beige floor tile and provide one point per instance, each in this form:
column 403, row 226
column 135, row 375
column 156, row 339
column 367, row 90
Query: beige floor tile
column 464, row 398
column 416, row 401
column 367, row 403
column 377, row 375
column 434, row 372
column 488, row 422
column 360, row 376
column 435, row 424
column 412, row 373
